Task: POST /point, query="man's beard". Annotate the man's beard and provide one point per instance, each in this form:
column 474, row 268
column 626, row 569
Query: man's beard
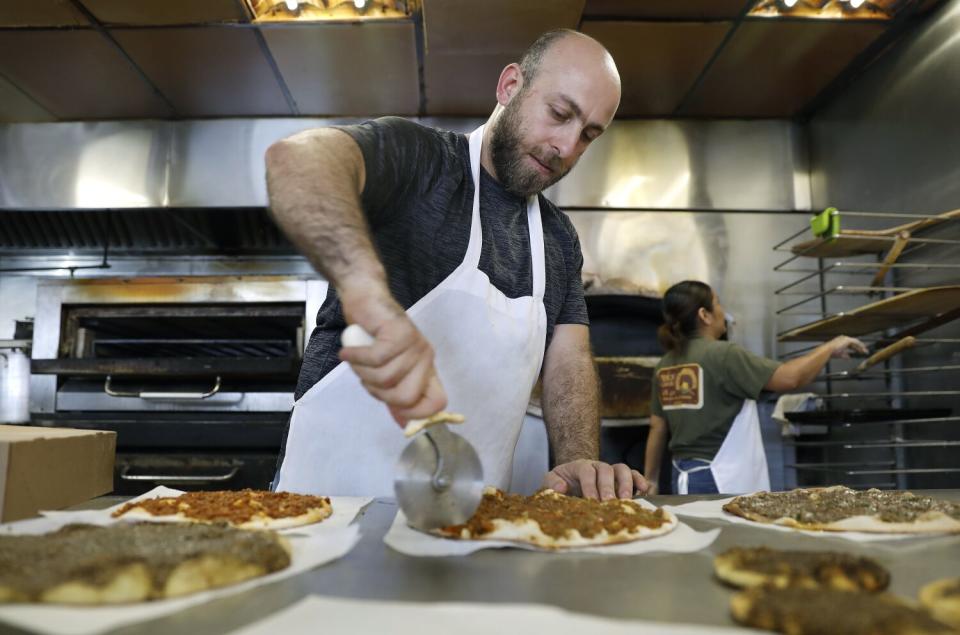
column 508, row 155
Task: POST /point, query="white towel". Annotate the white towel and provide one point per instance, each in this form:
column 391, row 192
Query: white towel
column 797, row 402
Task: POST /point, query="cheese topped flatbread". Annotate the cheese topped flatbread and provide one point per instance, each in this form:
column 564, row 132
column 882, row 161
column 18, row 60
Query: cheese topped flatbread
column 553, row 521
column 840, row 508
column 246, row 509
column 133, row 562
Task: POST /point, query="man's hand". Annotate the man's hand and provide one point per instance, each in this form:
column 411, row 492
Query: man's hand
column 398, row 367
column 595, row 479
column 653, row 488
column 842, row 345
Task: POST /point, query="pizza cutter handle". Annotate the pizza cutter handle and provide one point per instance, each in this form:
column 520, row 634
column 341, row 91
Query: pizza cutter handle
column 441, row 478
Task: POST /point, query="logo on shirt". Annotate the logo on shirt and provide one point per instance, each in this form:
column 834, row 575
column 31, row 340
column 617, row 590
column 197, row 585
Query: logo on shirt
column 681, row 387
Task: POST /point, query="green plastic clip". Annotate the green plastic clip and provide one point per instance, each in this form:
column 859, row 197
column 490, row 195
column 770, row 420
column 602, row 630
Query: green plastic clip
column 826, row 224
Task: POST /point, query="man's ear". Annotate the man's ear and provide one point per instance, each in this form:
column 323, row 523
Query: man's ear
column 510, row 84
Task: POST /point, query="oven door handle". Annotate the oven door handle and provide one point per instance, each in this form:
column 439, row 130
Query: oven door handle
column 174, row 478
column 163, row 396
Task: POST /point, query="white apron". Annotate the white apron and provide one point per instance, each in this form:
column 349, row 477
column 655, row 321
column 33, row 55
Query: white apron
column 740, row 465
column 488, row 353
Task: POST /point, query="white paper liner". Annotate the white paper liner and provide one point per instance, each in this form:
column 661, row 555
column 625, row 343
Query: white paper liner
column 713, row 510
column 345, row 511
column 403, row 538
column 314, row 614
column 308, row 552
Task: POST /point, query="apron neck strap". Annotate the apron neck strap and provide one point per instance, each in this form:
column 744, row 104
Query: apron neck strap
column 534, row 224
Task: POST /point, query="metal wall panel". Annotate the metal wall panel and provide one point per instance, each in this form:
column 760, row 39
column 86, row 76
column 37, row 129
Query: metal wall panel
column 636, row 164
column 77, row 165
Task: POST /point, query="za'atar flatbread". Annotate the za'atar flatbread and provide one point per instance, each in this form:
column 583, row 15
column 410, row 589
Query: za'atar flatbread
column 761, row 566
column 246, row 509
column 840, row 508
column 133, row 562
column 942, row 599
column 828, row 612
column 551, row 520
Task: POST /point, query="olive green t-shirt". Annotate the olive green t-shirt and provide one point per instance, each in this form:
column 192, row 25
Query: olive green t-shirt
column 699, row 391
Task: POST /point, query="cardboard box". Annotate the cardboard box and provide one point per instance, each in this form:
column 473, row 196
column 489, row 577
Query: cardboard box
column 52, row 468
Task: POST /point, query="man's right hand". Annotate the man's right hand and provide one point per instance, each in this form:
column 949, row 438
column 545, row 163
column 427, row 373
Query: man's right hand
column 842, row 345
column 398, row 367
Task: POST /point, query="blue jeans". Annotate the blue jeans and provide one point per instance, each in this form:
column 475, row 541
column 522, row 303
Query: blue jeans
column 700, row 482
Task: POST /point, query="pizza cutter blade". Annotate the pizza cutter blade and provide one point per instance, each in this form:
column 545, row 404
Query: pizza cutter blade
column 439, row 477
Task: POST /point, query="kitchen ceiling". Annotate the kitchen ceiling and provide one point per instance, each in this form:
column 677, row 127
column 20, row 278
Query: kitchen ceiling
column 117, row 59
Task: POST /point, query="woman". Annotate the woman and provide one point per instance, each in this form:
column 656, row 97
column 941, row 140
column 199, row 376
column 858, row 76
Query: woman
column 705, row 390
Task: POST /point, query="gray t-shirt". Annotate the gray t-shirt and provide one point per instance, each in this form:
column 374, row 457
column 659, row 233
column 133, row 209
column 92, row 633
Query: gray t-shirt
column 418, row 199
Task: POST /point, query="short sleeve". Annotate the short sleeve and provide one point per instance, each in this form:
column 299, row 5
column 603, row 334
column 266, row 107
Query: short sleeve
column 655, row 407
column 396, row 154
column 745, row 374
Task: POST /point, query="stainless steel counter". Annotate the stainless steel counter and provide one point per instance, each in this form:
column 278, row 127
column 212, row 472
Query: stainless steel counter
column 670, row 587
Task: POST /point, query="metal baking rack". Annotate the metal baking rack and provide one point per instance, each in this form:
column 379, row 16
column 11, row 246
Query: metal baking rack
column 886, row 452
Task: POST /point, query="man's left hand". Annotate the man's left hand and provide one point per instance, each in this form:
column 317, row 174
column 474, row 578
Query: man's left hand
column 595, row 479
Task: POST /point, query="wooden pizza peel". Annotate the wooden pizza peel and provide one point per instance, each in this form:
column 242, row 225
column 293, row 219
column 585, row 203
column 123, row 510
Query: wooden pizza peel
column 932, row 304
column 439, row 477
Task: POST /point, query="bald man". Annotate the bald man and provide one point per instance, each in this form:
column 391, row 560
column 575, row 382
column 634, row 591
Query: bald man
column 442, row 247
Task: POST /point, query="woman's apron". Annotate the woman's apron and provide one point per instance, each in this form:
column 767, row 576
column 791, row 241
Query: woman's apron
column 740, row 465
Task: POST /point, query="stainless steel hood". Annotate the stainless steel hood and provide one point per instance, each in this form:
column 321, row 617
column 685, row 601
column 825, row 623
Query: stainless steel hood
column 729, row 165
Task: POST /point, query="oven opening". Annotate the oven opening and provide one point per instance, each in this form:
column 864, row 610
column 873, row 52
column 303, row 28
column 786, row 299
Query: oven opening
column 180, row 354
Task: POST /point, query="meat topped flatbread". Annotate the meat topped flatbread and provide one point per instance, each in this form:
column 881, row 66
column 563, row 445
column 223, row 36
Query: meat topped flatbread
column 246, row 509
column 749, row 567
column 942, row 599
column 828, row 612
column 840, row 508
column 554, row 521
column 133, row 562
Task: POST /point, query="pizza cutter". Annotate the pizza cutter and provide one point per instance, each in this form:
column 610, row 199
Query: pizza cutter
column 439, row 478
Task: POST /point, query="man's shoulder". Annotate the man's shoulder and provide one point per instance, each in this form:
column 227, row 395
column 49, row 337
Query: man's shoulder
column 416, row 130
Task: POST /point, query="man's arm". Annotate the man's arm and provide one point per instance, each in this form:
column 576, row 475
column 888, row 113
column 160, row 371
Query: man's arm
column 803, row 370
column 656, row 442
column 571, row 395
column 571, row 412
column 315, row 180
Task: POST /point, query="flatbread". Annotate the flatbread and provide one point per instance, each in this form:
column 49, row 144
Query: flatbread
column 245, row 509
column 942, row 599
column 552, row 520
column 133, row 562
column 750, row 567
column 840, row 508
column 828, row 612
